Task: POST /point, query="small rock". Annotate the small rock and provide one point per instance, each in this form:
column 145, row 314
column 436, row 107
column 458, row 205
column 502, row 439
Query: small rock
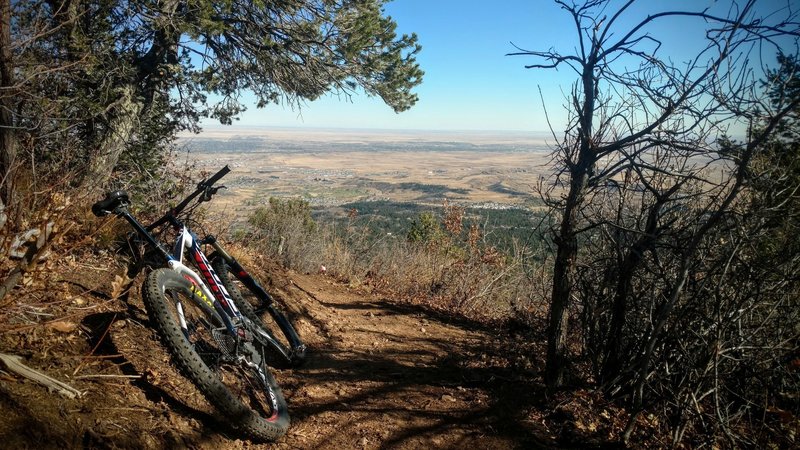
column 422, row 329
column 448, row 398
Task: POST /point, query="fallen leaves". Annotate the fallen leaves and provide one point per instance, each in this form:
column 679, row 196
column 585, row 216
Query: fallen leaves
column 63, row 326
column 119, row 286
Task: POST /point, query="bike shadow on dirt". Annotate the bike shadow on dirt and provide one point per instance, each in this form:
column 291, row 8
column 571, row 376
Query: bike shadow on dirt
column 104, row 337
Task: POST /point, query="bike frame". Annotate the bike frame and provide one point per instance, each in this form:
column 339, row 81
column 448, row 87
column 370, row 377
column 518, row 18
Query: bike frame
column 211, row 290
column 214, row 293
column 216, row 297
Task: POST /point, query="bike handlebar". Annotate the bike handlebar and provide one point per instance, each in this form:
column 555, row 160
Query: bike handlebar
column 117, row 199
column 203, row 187
column 217, row 176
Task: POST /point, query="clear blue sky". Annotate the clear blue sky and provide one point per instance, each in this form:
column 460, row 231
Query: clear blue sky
column 469, row 82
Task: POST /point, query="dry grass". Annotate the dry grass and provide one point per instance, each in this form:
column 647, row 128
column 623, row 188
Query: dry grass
column 452, row 271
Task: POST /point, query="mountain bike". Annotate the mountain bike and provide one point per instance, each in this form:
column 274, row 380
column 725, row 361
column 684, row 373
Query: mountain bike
column 220, row 326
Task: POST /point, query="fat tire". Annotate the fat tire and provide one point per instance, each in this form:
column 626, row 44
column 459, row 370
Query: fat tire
column 223, row 271
column 236, row 413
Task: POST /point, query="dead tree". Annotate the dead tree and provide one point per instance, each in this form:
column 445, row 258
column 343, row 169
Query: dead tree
column 623, row 112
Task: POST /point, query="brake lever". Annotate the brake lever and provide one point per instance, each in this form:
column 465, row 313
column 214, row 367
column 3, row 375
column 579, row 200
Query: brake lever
column 212, row 191
column 209, row 192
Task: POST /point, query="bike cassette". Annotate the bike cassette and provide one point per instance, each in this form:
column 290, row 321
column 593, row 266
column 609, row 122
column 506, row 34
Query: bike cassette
column 225, row 342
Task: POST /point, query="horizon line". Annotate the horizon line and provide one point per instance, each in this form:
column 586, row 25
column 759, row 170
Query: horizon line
column 234, row 127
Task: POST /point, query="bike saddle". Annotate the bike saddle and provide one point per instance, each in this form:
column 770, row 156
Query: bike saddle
column 112, row 201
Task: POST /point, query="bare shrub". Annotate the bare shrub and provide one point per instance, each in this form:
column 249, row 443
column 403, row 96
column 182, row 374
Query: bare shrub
column 439, row 262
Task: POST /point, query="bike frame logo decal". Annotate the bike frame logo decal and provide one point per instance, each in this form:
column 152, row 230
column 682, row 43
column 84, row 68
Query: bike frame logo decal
column 195, row 290
column 210, row 275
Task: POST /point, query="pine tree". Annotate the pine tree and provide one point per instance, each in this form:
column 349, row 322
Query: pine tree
column 123, row 77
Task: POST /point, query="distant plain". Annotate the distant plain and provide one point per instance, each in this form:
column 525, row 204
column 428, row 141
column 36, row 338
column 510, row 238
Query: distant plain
column 330, row 168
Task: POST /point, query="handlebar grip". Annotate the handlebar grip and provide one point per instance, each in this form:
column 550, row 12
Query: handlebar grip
column 112, row 201
column 216, row 177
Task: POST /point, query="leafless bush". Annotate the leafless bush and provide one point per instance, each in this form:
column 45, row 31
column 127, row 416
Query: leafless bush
column 706, row 335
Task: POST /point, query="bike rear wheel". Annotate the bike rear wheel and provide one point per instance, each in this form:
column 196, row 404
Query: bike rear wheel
column 271, row 319
column 232, row 373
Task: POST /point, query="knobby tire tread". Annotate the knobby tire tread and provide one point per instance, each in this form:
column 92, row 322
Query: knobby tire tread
column 236, row 414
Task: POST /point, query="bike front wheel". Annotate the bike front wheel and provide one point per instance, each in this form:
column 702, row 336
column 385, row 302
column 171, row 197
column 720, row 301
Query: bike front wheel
column 230, row 371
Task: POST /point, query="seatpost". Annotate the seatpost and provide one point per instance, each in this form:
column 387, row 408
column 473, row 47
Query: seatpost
column 122, row 211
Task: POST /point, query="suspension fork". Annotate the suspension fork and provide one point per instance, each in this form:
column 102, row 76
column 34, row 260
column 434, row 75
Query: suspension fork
column 239, row 271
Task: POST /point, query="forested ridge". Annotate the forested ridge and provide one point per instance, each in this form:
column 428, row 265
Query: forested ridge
column 653, row 301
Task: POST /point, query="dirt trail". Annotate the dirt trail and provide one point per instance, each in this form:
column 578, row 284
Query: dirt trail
column 380, row 374
column 391, row 376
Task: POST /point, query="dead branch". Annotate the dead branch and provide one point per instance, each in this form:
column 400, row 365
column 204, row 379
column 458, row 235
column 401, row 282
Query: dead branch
column 14, row 364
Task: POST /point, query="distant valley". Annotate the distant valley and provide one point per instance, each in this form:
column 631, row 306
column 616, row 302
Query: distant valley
column 335, row 167
column 335, row 171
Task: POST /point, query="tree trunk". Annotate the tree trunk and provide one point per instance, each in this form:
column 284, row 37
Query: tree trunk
column 563, row 275
column 612, row 364
column 567, row 239
column 122, row 124
column 8, row 144
column 137, row 97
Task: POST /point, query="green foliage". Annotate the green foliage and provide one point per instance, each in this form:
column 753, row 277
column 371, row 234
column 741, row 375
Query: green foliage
column 433, row 190
column 504, row 229
column 282, row 214
column 426, row 229
column 70, row 79
column 294, row 51
column 285, row 230
column 774, row 172
column 780, row 158
column 94, row 76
